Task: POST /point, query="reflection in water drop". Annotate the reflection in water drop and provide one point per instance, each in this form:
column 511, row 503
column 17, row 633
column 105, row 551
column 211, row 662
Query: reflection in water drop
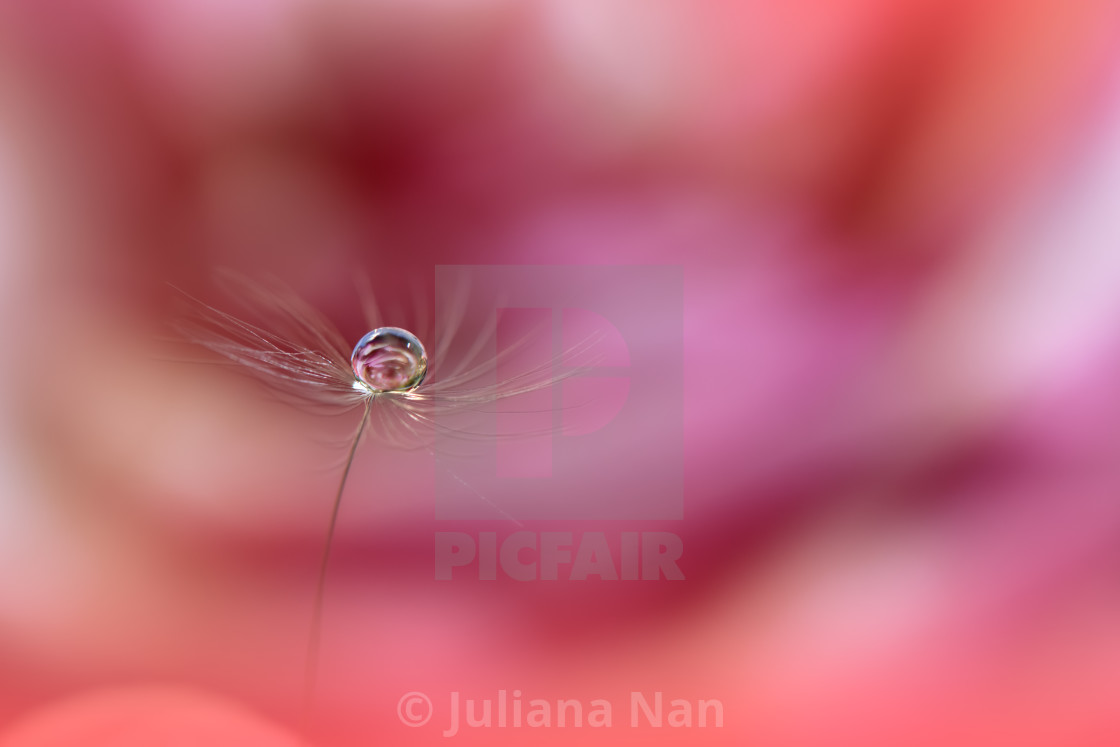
column 389, row 359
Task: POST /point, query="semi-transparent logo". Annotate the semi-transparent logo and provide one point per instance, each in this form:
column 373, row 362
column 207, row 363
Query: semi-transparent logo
column 603, row 440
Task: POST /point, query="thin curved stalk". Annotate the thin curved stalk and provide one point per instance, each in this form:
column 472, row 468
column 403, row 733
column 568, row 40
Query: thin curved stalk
column 312, row 664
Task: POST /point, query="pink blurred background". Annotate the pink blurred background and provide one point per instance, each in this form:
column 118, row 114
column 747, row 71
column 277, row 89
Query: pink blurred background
column 897, row 225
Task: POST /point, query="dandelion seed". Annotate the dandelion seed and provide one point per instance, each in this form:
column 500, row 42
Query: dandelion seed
column 303, row 359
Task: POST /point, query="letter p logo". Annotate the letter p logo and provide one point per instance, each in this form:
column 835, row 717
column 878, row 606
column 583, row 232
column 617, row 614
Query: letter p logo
column 604, row 440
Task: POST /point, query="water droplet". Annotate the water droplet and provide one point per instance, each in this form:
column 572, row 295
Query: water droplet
column 389, row 359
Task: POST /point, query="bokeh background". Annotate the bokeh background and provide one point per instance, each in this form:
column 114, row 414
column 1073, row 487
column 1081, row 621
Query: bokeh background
column 898, row 226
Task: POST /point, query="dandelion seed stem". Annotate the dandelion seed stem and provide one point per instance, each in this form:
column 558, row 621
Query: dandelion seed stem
column 312, row 663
